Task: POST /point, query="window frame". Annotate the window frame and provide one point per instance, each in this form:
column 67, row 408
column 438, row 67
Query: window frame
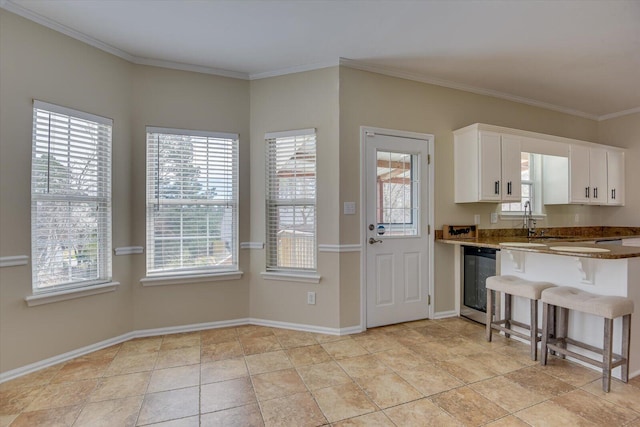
column 191, row 273
column 274, row 141
column 535, row 189
column 78, row 148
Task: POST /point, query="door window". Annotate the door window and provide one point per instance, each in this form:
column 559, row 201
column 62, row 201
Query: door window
column 398, row 184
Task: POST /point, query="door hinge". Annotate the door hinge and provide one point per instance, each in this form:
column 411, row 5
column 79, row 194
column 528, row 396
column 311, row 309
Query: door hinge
column 428, row 299
column 429, row 229
column 428, row 159
column 369, row 133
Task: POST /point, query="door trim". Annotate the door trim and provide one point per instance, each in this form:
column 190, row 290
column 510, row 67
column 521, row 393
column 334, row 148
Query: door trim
column 430, row 214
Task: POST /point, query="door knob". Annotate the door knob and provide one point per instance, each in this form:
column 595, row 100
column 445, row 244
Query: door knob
column 373, row 241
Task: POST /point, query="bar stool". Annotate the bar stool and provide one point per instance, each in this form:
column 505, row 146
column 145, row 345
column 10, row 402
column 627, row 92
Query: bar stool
column 609, row 307
column 515, row 286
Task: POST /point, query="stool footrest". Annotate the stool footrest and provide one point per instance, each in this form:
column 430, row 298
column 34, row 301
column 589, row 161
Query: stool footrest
column 494, row 325
column 617, row 360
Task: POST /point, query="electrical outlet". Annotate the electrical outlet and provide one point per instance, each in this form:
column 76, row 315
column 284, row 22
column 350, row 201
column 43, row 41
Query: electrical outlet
column 494, row 217
column 311, row 298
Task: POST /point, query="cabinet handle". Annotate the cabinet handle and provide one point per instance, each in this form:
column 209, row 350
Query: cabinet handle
column 613, row 193
column 496, row 187
column 586, row 192
column 595, row 192
column 509, row 188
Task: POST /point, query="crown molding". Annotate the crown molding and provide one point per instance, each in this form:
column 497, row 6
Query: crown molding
column 619, row 114
column 56, row 26
column 360, row 65
column 293, row 70
column 356, row 64
column 189, row 67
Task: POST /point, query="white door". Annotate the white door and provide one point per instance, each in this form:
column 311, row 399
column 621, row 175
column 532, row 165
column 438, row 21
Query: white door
column 397, row 244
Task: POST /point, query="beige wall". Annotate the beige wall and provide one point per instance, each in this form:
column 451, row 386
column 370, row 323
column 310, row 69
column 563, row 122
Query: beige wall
column 185, row 100
column 37, row 63
column 297, row 101
column 371, row 99
column 624, row 132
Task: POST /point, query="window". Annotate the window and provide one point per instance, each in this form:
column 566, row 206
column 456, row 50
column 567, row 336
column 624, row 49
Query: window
column 397, row 192
column 192, row 202
column 530, row 183
column 70, row 198
column 291, row 200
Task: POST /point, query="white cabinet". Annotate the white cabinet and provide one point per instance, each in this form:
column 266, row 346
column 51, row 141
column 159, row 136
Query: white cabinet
column 511, row 168
column 486, row 166
column 587, row 175
column 615, row 177
column 595, row 175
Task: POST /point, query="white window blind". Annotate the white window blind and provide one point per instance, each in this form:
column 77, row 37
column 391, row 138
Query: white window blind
column 291, row 200
column 70, row 198
column 192, row 201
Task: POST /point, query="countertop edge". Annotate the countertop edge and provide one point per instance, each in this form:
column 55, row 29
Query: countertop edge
column 616, row 251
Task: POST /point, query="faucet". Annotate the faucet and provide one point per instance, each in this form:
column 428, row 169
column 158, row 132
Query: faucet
column 529, row 222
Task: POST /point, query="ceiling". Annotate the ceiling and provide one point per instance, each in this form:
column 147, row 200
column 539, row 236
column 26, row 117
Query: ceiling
column 578, row 56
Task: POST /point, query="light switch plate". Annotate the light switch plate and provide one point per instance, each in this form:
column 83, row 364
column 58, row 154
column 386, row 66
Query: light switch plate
column 494, row 217
column 349, row 208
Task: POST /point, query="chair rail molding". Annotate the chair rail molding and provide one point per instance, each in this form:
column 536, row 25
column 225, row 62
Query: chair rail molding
column 12, row 261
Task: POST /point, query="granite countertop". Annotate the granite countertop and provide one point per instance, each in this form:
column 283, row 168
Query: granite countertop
column 496, row 238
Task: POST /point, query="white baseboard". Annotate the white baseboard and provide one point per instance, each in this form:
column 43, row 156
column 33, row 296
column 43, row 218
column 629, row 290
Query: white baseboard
column 191, row 328
column 352, row 330
column 51, row 361
column 306, row 328
column 445, row 314
column 64, row 357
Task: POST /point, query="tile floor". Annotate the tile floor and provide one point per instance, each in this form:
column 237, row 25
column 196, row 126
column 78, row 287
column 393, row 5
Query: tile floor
column 425, row 373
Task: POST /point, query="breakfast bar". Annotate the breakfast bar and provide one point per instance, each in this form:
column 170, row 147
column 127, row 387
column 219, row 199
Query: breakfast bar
column 597, row 269
column 602, row 269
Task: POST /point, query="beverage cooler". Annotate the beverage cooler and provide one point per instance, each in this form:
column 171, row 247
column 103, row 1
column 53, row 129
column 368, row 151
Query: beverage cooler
column 479, row 263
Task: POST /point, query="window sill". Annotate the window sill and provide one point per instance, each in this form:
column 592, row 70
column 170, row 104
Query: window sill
column 291, row 276
column 67, row 294
column 193, row 278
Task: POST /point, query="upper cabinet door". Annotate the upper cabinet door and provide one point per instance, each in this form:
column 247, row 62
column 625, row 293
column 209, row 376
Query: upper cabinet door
column 598, row 175
column 580, row 191
column 615, row 177
column 511, row 169
column 490, row 166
